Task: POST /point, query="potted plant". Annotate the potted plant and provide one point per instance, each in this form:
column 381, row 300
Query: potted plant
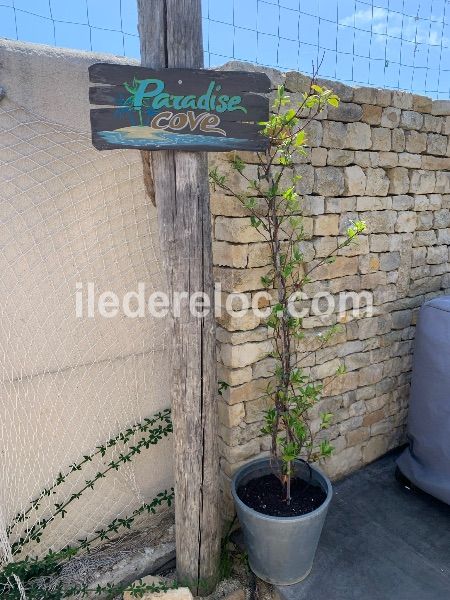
column 282, row 501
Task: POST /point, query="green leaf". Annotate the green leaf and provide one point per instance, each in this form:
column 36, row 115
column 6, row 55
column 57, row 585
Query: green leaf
column 333, row 101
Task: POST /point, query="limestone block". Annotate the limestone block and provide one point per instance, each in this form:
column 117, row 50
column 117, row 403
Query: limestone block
column 340, row 205
column 380, row 221
column 326, row 369
column 254, row 409
column 384, row 97
column 390, row 117
column 237, row 230
column 424, row 238
column 326, row 225
column 398, row 180
column 345, row 92
column 437, row 144
column 264, row 368
column 307, row 250
column 381, row 138
column 306, row 183
column 259, row 255
column 358, row 136
column 238, row 453
column 346, row 112
column 379, row 243
column 245, row 392
column 386, row 159
column 314, row 132
column 230, row 415
column 240, row 280
column 390, row 261
column 433, row 124
column 425, row 220
column 445, row 126
column 370, row 374
column 360, row 246
column 442, row 182
column 411, row 120
column 324, row 246
column 402, row 100
column 375, row 448
column 371, row 114
column 415, row 142
column 244, row 354
column 410, row 161
column 443, row 236
column 319, row 157
column 373, row 203
column 334, row 134
column 384, row 293
column 435, row 163
column 354, row 181
column 422, row 182
column 377, row 182
column 312, row 205
column 421, row 104
column 329, row 181
column 398, row 140
column 342, row 267
column 230, row 255
column 365, row 95
column 442, row 218
column 369, row 263
column 406, row 221
column 242, row 321
column 297, row 82
column 419, row 256
column 234, row 376
column 441, row 107
column 340, row 158
column 240, row 337
column 344, row 462
column 437, row 255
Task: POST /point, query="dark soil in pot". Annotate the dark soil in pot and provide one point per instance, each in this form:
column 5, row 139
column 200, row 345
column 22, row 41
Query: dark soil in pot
column 266, row 495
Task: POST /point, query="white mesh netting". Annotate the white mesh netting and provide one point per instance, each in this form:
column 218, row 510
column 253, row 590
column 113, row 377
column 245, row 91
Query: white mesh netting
column 70, row 214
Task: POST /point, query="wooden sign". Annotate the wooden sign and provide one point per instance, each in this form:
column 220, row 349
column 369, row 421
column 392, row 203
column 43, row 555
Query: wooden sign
column 177, row 109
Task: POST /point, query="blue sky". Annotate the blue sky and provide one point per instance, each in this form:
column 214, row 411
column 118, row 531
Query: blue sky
column 394, row 43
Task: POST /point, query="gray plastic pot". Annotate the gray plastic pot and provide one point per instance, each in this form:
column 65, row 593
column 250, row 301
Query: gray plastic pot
column 280, row 549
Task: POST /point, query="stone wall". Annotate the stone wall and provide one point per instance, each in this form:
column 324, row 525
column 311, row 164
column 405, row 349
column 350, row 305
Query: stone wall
column 382, row 157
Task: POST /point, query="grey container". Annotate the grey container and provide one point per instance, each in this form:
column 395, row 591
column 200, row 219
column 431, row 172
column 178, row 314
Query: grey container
column 281, row 550
column 426, row 461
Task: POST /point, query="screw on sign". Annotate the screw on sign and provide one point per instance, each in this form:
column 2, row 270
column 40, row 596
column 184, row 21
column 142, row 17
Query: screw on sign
column 177, row 109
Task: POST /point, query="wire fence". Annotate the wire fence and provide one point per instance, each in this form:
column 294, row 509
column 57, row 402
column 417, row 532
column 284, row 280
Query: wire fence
column 399, row 44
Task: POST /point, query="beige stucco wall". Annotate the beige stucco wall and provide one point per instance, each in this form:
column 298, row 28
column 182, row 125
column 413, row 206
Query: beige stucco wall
column 69, row 214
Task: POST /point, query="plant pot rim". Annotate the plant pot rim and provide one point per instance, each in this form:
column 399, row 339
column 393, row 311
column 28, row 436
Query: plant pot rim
column 248, row 467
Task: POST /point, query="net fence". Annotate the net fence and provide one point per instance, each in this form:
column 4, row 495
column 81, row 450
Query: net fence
column 70, row 215
column 398, row 44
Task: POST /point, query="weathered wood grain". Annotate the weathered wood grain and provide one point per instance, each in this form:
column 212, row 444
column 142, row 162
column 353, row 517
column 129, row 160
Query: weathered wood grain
column 170, row 34
column 231, row 81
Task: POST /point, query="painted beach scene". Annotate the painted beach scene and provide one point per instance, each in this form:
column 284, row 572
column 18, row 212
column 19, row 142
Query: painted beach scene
column 141, row 136
column 149, row 114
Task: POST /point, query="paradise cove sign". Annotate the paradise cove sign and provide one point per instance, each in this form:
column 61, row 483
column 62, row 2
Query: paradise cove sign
column 177, row 109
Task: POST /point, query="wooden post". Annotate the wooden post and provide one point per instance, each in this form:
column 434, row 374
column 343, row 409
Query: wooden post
column 171, row 36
